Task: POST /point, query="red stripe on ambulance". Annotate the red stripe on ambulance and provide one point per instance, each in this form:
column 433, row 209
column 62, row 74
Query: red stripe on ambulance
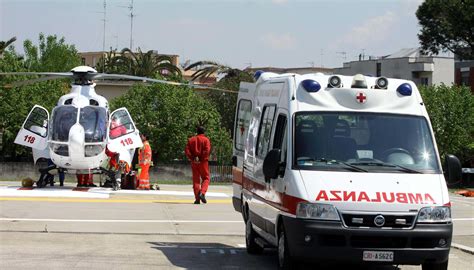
column 362, row 196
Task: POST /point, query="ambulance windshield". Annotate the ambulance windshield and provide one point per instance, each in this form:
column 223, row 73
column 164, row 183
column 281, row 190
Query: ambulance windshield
column 363, row 142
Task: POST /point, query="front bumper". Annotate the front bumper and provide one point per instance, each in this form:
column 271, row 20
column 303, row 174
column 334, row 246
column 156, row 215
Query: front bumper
column 331, row 241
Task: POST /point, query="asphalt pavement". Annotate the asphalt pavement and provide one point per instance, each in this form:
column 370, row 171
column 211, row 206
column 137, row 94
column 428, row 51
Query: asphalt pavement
column 156, row 229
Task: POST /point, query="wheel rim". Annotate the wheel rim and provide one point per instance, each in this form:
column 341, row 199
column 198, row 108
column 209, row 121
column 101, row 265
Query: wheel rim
column 281, row 249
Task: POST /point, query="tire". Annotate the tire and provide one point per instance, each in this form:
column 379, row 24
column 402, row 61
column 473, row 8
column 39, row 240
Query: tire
column 284, row 258
column 435, row 266
column 250, row 235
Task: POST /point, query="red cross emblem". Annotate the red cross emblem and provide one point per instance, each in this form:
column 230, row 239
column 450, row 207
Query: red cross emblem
column 361, row 98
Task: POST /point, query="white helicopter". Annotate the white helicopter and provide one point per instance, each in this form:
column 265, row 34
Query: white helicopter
column 81, row 127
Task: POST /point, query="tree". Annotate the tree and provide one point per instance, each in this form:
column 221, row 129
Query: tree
column 51, row 55
column 447, row 25
column 451, row 111
column 149, row 64
column 4, row 45
column 205, row 69
column 169, row 115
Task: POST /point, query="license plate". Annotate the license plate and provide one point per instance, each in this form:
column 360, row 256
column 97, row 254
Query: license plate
column 378, row 256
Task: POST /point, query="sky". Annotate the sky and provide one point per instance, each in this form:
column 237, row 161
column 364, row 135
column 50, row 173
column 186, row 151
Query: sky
column 238, row 33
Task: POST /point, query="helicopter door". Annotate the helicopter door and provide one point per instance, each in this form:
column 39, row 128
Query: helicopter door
column 34, row 131
column 122, row 133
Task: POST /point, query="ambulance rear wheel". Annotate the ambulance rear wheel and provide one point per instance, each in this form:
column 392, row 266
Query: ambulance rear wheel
column 284, row 259
column 435, row 266
column 250, row 236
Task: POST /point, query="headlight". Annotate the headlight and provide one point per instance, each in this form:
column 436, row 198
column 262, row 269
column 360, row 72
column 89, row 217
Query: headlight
column 434, row 214
column 317, row 211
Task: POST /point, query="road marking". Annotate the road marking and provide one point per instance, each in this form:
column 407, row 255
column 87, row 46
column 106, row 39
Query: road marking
column 120, row 220
column 40, row 199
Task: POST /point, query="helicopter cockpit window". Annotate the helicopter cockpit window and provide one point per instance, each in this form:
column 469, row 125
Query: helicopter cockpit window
column 68, row 101
column 64, row 117
column 37, row 122
column 93, row 102
column 120, row 125
column 93, row 119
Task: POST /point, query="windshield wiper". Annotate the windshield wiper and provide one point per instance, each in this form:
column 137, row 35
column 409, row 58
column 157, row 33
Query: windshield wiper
column 348, row 165
column 383, row 164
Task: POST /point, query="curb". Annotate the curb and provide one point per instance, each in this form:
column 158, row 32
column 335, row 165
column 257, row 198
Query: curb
column 464, row 248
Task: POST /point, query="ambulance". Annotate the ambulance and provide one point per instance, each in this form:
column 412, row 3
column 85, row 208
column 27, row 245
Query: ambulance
column 340, row 168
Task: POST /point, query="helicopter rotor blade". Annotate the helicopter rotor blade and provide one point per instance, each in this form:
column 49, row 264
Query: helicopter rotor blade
column 32, row 81
column 59, row 74
column 145, row 79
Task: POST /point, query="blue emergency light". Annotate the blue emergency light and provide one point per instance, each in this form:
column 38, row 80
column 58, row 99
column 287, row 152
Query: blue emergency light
column 311, row 86
column 257, row 74
column 404, row 89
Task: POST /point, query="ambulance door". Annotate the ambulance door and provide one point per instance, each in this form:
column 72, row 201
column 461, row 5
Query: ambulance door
column 276, row 187
column 243, row 116
column 34, row 131
column 122, row 133
column 258, row 202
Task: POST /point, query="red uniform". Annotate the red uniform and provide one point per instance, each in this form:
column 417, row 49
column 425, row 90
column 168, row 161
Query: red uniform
column 199, row 147
column 144, row 161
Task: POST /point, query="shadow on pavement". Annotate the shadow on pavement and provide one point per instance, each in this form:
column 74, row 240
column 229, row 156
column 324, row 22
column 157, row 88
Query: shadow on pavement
column 221, row 256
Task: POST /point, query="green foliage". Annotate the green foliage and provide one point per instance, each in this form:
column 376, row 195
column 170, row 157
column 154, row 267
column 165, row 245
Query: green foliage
column 149, row 64
column 451, row 111
column 4, row 44
column 51, row 55
column 169, row 115
column 447, row 25
column 15, row 103
column 226, row 102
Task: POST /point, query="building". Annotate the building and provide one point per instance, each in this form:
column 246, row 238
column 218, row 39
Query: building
column 112, row 89
column 408, row 64
column 297, row 70
column 464, row 73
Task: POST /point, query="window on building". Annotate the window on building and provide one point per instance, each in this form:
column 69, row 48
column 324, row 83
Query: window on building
column 465, row 78
column 379, row 69
column 424, row 81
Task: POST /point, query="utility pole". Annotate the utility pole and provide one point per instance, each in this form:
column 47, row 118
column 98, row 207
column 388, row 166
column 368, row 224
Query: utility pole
column 105, row 16
column 344, row 55
column 130, row 7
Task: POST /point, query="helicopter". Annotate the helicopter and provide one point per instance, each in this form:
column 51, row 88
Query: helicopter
column 81, row 127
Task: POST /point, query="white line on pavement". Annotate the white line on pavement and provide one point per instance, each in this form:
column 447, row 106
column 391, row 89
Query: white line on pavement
column 462, row 219
column 119, row 220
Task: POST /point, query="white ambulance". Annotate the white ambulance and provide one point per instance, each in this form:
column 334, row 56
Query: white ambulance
column 340, row 168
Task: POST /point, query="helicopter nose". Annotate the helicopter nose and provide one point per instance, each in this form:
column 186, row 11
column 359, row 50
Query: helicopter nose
column 76, row 141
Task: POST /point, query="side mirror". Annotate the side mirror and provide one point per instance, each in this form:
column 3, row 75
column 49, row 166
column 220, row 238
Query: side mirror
column 453, row 169
column 271, row 164
column 234, row 161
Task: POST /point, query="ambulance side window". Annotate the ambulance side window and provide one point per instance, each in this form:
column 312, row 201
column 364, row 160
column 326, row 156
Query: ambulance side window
column 244, row 113
column 279, row 140
column 263, row 141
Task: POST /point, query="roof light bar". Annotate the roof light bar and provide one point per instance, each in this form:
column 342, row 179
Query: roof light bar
column 311, row 86
column 359, row 81
column 404, row 89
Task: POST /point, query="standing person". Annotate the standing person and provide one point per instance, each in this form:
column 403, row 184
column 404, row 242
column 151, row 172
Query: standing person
column 144, row 161
column 197, row 151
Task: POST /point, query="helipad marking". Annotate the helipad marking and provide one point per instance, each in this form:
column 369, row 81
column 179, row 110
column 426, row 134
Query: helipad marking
column 50, row 192
column 75, row 200
column 119, row 220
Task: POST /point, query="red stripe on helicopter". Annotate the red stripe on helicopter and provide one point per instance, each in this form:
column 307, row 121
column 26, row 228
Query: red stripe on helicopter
column 386, row 197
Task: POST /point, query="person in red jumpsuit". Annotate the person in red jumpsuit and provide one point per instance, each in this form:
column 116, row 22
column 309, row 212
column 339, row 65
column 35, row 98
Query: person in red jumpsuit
column 144, row 161
column 198, row 150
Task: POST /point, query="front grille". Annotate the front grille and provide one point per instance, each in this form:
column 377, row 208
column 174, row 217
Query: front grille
column 378, row 242
column 367, row 220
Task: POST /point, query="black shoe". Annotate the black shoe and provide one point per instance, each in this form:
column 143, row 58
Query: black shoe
column 197, row 202
column 92, row 185
column 203, row 198
column 80, row 185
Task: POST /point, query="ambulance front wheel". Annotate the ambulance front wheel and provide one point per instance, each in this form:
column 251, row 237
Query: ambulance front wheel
column 250, row 236
column 435, row 266
column 284, row 258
